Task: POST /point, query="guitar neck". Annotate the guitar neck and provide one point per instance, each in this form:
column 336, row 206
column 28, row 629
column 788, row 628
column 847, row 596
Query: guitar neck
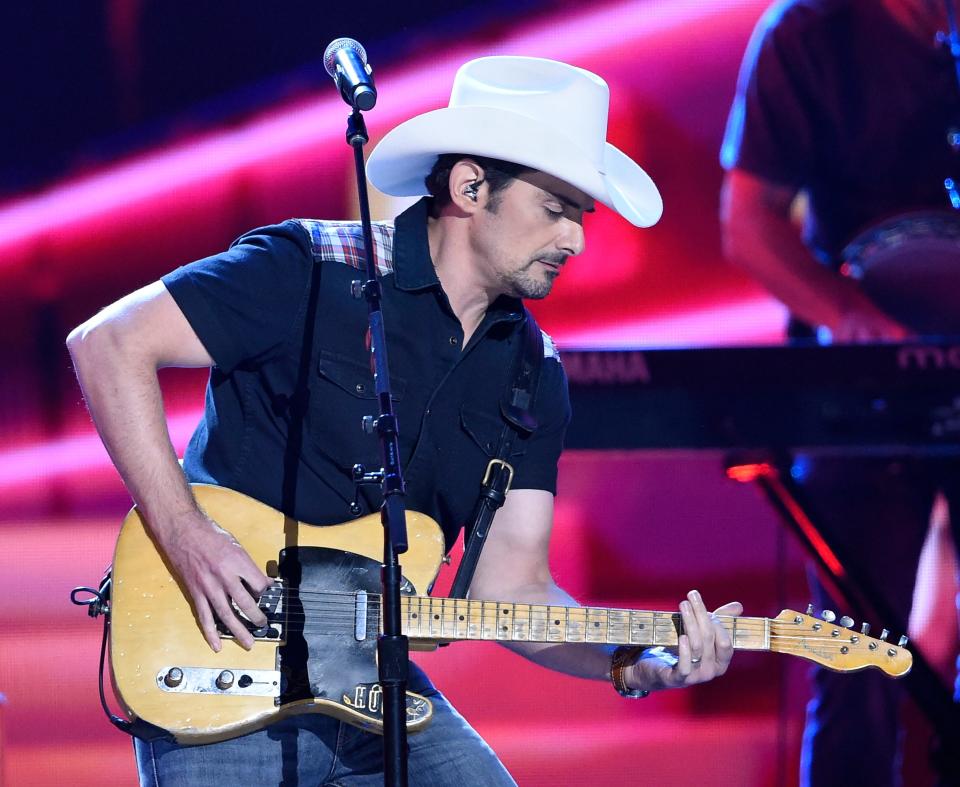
column 452, row 619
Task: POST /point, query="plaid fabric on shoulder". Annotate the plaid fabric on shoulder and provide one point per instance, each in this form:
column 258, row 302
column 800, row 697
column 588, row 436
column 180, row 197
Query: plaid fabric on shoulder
column 342, row 241
column 549, row 348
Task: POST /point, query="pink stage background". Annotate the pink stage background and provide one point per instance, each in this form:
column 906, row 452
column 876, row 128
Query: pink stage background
column 633, row 528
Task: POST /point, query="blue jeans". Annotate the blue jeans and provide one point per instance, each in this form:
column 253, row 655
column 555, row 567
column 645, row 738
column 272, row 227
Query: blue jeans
column 313, row 749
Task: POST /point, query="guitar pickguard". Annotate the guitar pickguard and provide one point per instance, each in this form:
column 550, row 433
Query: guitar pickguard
column 323, row 657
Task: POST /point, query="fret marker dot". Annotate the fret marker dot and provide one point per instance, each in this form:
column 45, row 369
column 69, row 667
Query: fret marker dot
column 413, row 615
column 461, row 617
column 556, row 623
column 596, row 625
column 436, row 617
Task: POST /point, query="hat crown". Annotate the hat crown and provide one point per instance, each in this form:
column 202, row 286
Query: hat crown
column 572, row 101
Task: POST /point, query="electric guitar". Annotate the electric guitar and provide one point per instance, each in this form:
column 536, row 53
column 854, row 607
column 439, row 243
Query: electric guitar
column 317, row 652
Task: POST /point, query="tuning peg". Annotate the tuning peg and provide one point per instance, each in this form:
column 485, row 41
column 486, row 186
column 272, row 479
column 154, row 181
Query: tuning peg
column 903, row 641
column 865, row 628
column 883, row 635
column 809, row 609
column 846, row 621
column 828, row 615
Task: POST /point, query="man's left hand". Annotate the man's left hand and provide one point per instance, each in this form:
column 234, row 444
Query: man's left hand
column 703, row 653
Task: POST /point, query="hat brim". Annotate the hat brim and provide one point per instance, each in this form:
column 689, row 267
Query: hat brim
column 405, row 156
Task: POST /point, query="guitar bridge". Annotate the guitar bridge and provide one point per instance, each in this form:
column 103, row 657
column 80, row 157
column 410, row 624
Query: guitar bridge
column 271, row 603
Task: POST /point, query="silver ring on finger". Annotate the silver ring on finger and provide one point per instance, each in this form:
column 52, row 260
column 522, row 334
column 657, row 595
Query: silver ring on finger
column 695, row 661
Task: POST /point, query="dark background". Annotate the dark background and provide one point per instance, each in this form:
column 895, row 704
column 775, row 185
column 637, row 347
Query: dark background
column 84, row 82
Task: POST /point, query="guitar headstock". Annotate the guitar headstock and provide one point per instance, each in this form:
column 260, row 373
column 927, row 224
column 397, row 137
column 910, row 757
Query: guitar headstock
column 836, row 647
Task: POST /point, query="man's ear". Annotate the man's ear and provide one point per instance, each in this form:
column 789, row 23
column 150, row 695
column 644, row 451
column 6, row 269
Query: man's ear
column 466, row 186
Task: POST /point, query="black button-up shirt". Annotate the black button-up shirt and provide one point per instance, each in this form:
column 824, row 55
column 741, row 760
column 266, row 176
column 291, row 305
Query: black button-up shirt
column 251, row 308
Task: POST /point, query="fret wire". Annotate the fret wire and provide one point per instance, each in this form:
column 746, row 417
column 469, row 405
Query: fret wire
column 631, row 622
column 537, row 621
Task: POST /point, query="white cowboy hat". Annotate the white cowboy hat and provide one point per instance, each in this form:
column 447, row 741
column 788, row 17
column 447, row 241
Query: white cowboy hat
column 542, row 114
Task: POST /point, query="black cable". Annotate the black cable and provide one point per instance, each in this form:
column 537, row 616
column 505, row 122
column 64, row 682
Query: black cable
column 99, row 604
column 121, row 724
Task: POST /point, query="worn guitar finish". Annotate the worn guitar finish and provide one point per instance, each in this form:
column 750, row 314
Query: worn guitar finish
column 318, row 651
column 319, row 667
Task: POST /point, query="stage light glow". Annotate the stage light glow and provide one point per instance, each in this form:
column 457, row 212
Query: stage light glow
column 78, row 453
column 289, row 131
column 758, row 320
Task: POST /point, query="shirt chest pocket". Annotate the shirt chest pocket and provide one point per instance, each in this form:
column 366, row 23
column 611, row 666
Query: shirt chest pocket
column 344, row 393
column 483, row 430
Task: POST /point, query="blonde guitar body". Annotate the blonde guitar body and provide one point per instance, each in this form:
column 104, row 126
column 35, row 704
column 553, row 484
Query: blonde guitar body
column 153, row 629
column 318, row 651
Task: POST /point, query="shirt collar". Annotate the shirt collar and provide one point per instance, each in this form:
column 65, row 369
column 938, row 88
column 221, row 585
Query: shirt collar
column 413, row 266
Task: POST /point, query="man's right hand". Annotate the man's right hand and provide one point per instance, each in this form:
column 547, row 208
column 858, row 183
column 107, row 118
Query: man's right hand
column 116, row 354
column 215, row 571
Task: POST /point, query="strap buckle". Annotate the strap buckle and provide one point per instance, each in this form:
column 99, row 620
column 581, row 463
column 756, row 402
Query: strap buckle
column 489, row 472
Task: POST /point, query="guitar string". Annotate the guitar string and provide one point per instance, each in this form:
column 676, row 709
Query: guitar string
column 529, row 615
column 349, row 600
column 580, row 615
column 486, row 624
column 788, row 645
column 577, row 616
column 451, row 626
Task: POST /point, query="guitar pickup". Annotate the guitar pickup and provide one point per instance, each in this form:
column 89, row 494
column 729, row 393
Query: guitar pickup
column 360, row 616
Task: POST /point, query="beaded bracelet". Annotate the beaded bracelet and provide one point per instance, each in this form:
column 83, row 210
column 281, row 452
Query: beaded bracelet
column 622, row 658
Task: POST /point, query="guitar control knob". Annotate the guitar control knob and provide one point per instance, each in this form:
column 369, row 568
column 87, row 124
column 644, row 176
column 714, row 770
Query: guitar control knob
column 174, row 677
column 828, row 615
column 225, row 680
column 865, row 629
column 846, row 621
column 903, row 641
column 883, row 635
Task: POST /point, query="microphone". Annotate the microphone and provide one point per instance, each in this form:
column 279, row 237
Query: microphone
column 346, row 61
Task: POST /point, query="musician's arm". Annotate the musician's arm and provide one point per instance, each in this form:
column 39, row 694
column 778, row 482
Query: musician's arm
column 514, row 566
column 760, row 237
column 116, row 355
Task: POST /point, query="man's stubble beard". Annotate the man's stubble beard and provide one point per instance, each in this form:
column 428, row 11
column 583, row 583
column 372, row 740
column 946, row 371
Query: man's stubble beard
column 521, row 283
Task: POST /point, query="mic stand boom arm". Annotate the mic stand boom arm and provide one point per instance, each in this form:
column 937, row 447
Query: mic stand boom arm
column 392, row 647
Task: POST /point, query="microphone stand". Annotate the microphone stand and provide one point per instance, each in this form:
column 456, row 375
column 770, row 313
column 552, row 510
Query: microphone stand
column 392, row 647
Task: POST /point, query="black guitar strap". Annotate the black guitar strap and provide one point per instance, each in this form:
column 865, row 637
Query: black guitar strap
column 517, row 410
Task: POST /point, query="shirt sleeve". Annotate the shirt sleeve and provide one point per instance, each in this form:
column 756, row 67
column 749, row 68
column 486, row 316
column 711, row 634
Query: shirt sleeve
column 537, row 469
column 244, row 303
column 769, row 131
